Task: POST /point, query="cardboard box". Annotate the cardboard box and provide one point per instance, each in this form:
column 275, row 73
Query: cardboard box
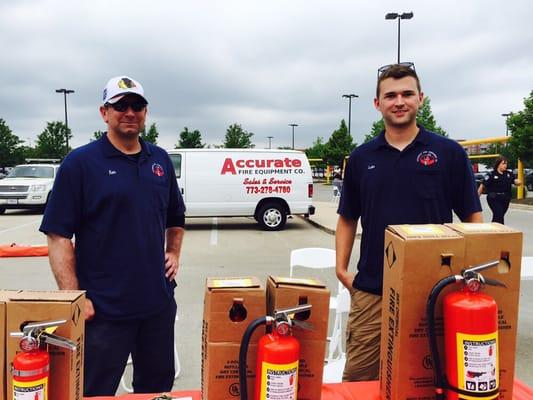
column 491, row 242
column 230, row 305
column 4, row 373
column 290, row 292
column 416, row 257
column 66, row 367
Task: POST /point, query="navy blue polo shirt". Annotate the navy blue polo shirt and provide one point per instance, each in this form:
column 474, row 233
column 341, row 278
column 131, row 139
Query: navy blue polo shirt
column 420, row 185
column 117, row 207
column 495, row 182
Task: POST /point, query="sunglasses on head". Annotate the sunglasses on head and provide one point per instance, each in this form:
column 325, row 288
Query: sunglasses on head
column 385, row 68
column 123, row 105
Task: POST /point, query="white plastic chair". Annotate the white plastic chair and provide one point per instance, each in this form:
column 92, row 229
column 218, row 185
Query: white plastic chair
column 336, row 340
column 312, row 257
column 321, row 258
column 177, row 367
column 526, row 272
column 336, row 194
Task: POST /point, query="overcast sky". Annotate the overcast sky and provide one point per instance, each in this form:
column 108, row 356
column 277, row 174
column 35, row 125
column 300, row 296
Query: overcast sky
column 262, row 64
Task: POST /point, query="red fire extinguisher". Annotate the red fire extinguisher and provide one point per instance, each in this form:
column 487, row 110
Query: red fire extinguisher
column 278, row 355
column 470, row 321
column 31, row 367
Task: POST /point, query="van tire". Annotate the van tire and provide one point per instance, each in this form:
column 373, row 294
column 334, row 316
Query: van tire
column 272, row 217
column 2, row 210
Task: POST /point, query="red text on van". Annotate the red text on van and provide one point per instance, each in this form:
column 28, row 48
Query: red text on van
column 231, row 166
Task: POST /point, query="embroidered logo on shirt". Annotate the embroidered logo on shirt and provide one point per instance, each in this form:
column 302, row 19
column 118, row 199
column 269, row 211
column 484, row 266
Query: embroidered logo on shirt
column 427, row 158
column 112, row 172
column 158, row 169
column 372, row 166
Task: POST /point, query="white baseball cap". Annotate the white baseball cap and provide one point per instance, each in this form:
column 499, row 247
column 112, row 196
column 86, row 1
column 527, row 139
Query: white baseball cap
column 120, row 86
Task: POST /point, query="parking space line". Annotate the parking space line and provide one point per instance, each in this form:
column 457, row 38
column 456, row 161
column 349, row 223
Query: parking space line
column 214, row 233
column 14, row 228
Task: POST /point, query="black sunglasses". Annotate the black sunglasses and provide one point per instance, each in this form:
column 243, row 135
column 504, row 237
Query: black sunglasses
column 385, row 68
column 122, row 106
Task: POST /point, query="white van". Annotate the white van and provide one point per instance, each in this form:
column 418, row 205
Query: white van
column 265, row 184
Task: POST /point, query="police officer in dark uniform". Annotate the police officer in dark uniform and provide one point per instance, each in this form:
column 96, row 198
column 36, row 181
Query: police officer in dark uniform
column 497, row 185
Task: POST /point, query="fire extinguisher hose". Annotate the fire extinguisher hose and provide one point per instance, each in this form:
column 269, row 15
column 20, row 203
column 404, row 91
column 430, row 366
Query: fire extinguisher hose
column 243, row 388
column 440, row 378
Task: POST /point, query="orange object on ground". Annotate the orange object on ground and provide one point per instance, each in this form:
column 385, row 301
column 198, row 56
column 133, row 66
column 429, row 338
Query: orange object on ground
column 17, row 250
column 330, row 391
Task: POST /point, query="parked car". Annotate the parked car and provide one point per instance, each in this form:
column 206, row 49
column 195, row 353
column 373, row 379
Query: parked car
column 27, row 186
column 527, row 171
column 480, row 177
column 528, row 180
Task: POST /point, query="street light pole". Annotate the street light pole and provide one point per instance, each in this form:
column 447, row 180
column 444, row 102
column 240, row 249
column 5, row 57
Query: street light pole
column 399, row 17
column 350, row 97
column 65, row 92
column 293, row 125
column 507, row 115
column 270, row 141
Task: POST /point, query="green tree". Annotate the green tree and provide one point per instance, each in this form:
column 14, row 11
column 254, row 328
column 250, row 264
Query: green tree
column 521, row 128
column 51, row 143
column 377, row 128
column 150, row 136
column 190, row 140
column 424, row 117
column 97, row 135
column 339, row 145
column 238, row 138
column 317, row 149
column 10, row 150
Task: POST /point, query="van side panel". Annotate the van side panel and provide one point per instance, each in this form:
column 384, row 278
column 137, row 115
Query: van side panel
column 232, row 182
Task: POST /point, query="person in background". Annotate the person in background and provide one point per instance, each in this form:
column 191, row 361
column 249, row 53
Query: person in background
column 337, row 180
column 497, row 185
column 406, row 175
column 119, row 198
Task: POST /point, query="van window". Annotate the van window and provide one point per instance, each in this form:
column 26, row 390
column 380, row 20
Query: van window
column 176, row 162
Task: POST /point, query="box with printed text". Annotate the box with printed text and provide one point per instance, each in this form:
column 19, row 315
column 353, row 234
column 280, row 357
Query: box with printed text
column 283, row 292
column 230, row 305
column 66, row 367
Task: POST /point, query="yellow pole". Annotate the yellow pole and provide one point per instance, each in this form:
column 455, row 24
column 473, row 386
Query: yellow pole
column 520, row 188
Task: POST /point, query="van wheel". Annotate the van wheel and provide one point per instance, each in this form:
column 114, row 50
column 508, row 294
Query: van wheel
column 272, row 217
column 2, row 210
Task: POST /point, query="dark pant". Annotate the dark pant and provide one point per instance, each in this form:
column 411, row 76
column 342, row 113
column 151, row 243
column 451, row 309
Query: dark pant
column 498, row 203
column 149, row 340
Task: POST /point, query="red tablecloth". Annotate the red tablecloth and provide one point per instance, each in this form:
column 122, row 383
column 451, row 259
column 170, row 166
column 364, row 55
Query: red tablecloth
column 331, row 391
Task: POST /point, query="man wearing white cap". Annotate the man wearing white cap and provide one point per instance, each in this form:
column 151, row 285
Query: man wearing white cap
column 118, row 196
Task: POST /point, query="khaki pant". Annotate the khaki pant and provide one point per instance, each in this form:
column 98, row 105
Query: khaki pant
column 363, row 335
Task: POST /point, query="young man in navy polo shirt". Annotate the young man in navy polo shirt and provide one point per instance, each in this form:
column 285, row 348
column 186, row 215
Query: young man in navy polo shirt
column 406, row 175
column 119, row 198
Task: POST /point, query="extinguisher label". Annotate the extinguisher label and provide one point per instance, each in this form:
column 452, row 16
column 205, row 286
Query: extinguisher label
column 33, row 390
column 279, row 381
column 477, row 363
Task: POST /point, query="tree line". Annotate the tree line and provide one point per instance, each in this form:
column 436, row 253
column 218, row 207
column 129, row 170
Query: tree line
column 52, row 143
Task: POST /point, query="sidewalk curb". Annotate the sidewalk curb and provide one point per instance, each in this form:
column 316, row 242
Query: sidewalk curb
column 521, row 206
column 319, row 226
column 325, row 228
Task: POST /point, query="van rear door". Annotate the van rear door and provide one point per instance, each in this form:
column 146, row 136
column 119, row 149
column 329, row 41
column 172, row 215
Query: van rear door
column 178, row 160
